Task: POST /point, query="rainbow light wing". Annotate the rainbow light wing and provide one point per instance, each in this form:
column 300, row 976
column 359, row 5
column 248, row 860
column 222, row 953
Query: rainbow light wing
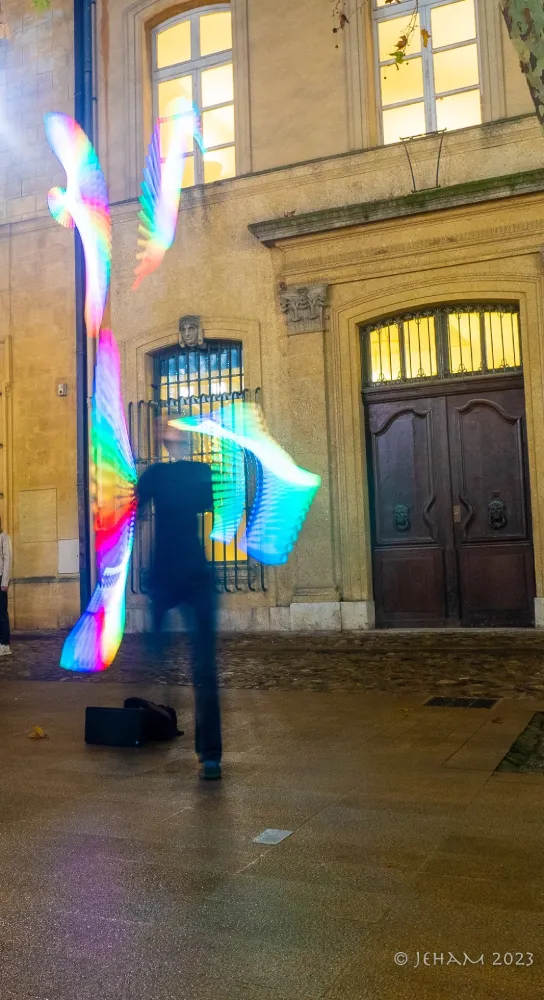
column 284, row 491
column 96, row 637
column 161, row 187
column 84, row 204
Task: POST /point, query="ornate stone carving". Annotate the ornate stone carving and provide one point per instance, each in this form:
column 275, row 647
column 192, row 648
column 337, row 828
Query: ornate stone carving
column 191, row 333
column 304, row 308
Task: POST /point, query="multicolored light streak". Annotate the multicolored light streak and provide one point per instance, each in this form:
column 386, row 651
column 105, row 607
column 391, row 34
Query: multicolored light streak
column 284, row 491
column 83, row 204
column 161, row 186
column 96, row 637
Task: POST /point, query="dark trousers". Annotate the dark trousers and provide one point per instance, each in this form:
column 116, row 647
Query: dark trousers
column 4, row 618
column 198, row 596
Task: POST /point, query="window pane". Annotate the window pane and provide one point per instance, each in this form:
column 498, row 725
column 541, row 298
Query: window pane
column 219, row 164
column 188, row 172
column 399, row 123
column 166, row 93
column 389, row 33
column 420, row 347
column 215, row 33
column 502, row 340
column 217, row 85
column 455, row 68
column 384, row 350
column 465, row 350
column 174, row 45
column 402, row 85
column 459, row 110
column 218, row 126
column 455, row 22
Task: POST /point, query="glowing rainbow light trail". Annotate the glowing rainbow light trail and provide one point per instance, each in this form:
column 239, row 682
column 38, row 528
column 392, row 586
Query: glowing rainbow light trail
column 96, row 637
column 83, row 204
column 284, row 491
column 161, row 185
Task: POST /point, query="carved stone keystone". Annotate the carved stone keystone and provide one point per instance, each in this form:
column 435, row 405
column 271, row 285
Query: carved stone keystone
column 191, row 333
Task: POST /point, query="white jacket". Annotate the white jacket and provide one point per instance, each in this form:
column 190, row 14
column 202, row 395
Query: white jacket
column 5, row 559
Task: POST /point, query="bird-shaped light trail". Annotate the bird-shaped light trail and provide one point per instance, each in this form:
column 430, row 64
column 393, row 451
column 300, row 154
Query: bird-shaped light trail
column 83, row 204
column 161, row 185
column 96, row 637
column 284, row 491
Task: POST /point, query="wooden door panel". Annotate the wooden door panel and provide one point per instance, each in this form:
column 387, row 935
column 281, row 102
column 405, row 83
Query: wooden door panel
column 410, row 587
column 404, row 490
column 410, row 505
column 497, row 584
column 489, row 481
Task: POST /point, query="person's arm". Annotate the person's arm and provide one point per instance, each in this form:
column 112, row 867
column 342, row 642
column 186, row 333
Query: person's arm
column 207, row 490
column 6, row 554
column 144, row 491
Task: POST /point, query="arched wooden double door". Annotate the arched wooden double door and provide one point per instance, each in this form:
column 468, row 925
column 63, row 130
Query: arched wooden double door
column 450, row 503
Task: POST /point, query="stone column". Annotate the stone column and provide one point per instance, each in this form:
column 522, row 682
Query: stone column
column 315, row 597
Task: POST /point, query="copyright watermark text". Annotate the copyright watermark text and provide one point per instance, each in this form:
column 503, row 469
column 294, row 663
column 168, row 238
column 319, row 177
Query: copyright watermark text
column 418, row 959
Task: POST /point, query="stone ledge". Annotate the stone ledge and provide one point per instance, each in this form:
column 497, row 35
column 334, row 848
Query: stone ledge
column 312, row 616
column 417, row 203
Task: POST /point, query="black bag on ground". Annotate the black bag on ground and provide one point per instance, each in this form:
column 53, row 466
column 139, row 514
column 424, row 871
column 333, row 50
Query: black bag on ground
column 115, row 727
column 160, row 722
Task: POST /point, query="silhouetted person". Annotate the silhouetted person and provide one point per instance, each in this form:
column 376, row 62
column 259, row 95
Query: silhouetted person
column 181, row 576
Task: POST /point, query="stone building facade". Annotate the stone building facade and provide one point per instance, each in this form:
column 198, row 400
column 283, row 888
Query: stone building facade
column 338, row 238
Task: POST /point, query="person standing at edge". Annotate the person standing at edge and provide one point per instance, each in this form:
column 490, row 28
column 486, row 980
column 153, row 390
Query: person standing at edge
column 181, row 576
column 5, row 574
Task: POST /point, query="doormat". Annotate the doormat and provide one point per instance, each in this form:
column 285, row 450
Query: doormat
column 527, row 753
column 460, row 702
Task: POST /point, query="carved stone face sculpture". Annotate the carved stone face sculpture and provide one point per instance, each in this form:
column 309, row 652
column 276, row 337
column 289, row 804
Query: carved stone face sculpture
column 190, row 332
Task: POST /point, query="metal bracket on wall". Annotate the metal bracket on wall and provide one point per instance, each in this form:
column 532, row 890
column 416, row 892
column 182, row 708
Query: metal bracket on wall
column 424, row 135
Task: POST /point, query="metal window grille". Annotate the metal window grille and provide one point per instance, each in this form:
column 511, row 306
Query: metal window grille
column 449, row 342
column 186, row 383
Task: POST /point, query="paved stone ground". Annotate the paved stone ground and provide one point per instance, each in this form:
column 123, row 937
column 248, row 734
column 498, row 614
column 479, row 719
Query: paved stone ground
column 505, row 663
column 122, row 877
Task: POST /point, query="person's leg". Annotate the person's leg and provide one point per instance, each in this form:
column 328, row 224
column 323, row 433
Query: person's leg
column 4, row 619
column 203, row 601
column 160, row 605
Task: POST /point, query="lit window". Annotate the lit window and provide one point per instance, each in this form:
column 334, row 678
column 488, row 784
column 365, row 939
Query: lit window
column 192, row 58
column 437, row 86
column 199, row 381
column 449, row 342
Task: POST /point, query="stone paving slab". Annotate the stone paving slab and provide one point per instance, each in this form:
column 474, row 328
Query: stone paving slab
column 475, row 663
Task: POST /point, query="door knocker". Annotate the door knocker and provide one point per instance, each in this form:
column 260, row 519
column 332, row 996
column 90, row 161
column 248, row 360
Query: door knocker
column 401, row 513
column 496, row 512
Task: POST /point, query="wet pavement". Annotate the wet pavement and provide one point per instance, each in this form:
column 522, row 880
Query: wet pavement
column 124, row 877
column 412, row 868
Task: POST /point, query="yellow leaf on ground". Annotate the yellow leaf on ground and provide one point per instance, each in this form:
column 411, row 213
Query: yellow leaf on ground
column 37, row 733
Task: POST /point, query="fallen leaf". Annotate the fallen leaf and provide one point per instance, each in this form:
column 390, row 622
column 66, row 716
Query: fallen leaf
column 37, row 733
column 425, row 36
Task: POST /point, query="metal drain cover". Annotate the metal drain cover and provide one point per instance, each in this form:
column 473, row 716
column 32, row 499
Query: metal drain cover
column 461, row 702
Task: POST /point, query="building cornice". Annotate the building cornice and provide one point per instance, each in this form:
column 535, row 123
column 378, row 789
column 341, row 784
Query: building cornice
column 437, row 199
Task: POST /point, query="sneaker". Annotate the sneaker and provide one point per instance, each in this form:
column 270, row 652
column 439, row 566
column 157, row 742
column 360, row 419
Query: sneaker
column 210, row 770
column 5, row 651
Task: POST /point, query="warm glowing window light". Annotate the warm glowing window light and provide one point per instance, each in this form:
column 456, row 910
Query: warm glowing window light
column 438, row 85
column 192, row 59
